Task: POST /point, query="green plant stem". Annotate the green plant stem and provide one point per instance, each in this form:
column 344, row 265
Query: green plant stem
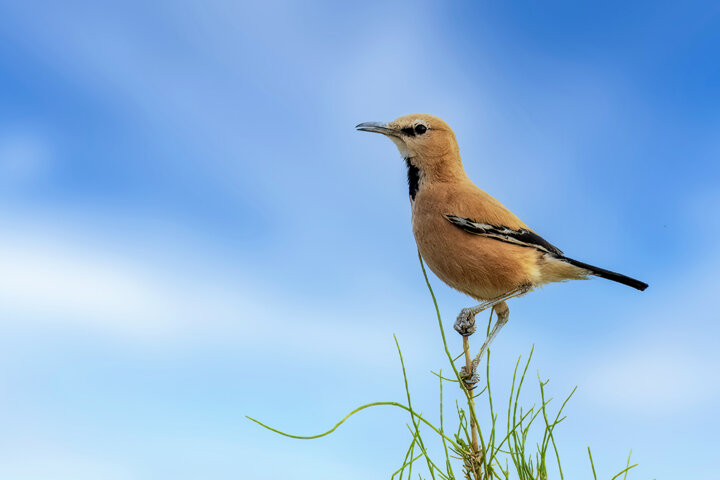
column 468, row 393
column 471, row 400
column 363, row 407
column 416, row 424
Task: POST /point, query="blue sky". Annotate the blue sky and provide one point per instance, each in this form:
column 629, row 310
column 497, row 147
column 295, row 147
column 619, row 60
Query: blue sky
column 194, row 232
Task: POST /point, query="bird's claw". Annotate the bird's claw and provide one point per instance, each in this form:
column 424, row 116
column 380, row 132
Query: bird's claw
column 470, row 379
column 465, row 323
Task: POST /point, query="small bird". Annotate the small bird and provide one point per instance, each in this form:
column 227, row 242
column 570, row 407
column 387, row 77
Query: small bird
column 470, row 240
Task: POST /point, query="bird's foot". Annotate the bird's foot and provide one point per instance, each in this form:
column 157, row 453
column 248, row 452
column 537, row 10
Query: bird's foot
column 465, row 323
column 470, row 379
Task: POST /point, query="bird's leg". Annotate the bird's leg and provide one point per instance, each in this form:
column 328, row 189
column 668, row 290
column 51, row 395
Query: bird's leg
column 503, row 314
column 465, row 326
column 465, row 323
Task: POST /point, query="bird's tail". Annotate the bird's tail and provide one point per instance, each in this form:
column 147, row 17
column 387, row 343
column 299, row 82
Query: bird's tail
column 601, row 272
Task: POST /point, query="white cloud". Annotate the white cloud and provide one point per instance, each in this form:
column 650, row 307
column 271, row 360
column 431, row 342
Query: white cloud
column 58, row 463
column 80, row 284
column 44, row 279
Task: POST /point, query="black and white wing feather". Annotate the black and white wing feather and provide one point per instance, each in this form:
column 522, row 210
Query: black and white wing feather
column 522, row 237
column 527, row 238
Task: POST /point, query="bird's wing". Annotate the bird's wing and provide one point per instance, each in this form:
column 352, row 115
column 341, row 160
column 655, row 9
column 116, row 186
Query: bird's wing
column 520, row 236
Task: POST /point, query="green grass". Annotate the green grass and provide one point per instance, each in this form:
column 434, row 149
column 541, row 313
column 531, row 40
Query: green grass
column 523, row 448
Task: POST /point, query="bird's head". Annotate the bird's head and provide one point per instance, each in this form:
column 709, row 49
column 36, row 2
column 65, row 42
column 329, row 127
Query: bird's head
column 425, row 141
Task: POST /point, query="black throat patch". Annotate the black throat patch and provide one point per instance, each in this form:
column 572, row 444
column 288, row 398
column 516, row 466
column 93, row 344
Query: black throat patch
column 413, row 174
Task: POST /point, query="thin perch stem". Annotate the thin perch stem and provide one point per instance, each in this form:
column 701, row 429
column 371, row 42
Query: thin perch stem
column 471, row 400
column 475, row 456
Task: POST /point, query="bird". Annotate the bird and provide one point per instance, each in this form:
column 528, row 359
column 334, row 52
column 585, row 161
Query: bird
column 470, row 240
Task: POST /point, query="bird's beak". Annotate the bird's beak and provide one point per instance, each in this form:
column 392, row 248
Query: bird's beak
column 377, row 127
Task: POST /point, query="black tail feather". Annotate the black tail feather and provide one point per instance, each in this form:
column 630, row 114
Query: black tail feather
column 615, row 277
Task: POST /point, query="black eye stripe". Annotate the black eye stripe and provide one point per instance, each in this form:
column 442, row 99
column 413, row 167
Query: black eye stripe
column 419, row 129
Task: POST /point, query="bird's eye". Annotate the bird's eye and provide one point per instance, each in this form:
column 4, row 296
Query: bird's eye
column 420, row 129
